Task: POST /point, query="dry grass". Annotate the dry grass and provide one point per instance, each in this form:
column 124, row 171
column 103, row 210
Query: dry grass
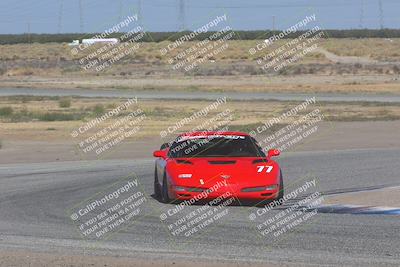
column 162, row 114
column 375, row 48
column 53, row 66
column 36, row 66
column 348, row 83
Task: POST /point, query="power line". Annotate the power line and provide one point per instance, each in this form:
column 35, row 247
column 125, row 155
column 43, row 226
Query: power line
column 248, row 6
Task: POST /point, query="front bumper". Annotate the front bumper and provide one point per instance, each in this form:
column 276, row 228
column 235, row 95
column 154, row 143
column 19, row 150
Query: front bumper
column 235, row 191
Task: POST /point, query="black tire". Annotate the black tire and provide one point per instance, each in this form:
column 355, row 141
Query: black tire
column 164, row 191
column 281, row 188
column 157, row 189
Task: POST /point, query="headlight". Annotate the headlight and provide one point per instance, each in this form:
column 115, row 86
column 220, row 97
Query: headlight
column 179, row 188
column 188, row 189
column 185, row 175
column 260, row 188
column 271, row 187
column 194, row 189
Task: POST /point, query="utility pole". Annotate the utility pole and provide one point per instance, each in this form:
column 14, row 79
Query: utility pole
column 381, row 14
column 181, row 16
column 60, row 15
column 120, row 10
column 28, row 24
column 273, row 23
column 80, row 16
column 139, row 13
column 361, row 23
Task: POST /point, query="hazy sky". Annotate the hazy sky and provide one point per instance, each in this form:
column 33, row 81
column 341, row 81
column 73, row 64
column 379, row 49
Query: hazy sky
column 51, row 16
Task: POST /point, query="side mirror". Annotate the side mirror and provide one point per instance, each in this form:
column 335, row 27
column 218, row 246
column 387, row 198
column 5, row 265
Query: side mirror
column 273, row 153
column 160, row 154
column 164, row 146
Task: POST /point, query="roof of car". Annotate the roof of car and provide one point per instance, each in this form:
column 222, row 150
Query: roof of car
column 208, row 133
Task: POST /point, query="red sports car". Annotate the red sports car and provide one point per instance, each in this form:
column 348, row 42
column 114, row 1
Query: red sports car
column 207, row 165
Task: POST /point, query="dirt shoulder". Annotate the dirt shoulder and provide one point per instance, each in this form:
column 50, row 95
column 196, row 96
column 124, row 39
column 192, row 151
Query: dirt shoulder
column 387, row 197
column 305, row 83
column 36, row 259
column 330, row 136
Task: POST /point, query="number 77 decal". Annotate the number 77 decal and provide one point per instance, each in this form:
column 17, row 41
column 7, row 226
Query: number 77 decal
column 267, row 168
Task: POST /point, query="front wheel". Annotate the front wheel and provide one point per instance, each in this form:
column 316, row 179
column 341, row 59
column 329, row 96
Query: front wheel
column 281, row 188
column 164, row 191
column 157, row 189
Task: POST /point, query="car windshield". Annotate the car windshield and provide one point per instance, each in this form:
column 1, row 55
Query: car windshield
column 215, row 146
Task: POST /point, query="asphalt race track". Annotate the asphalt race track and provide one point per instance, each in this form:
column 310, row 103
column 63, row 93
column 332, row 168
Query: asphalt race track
column 34, row 199
column 331, row 97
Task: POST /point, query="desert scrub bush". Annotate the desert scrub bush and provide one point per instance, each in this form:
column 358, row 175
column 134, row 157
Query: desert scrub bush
column 55, row 116
column 64, row 103
column 98, row 110
column 112, row 105
column 6, row 111
column 21, row 116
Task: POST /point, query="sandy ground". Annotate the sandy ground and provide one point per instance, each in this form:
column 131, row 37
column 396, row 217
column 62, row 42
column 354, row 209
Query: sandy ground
column 361, row 83
column 346, row 59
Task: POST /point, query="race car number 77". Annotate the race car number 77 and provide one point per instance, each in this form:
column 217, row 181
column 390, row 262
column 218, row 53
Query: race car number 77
column 267, row 168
